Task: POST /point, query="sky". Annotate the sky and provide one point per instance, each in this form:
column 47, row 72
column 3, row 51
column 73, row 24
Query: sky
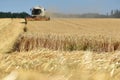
column 62, row 6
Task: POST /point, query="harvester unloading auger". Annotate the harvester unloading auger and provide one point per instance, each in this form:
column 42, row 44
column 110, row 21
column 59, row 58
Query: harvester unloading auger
column 38, row 14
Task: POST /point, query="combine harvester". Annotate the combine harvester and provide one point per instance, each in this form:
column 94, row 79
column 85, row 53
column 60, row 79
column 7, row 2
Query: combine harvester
column 38, row 14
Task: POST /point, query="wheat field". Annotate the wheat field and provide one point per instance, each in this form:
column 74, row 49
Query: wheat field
column 76, row 26
column 60, row 49
column 72, row 34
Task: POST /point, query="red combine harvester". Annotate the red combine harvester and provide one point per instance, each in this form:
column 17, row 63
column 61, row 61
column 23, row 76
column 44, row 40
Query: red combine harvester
column 38, row 14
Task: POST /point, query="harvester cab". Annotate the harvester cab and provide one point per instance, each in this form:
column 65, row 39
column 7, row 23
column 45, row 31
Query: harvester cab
column 38, row 11
column 37, row 14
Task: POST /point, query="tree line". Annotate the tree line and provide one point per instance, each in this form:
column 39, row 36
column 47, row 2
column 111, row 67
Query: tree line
column 112, row 14
column 13, row 15
column 115, row 13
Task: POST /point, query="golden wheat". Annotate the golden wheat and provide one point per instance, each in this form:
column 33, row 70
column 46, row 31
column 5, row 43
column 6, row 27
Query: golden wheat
column 62, row 49
column 99, row 43
column 71, row 65
column 9, row 31
column 76, row 26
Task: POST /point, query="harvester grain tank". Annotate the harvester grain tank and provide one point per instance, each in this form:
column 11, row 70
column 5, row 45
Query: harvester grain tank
column 38, row 13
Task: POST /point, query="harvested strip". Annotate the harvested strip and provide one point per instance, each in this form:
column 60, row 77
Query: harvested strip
column 4, row 23
column 9, row 34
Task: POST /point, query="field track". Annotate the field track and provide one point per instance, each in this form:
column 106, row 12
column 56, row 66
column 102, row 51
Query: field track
column 9, row 31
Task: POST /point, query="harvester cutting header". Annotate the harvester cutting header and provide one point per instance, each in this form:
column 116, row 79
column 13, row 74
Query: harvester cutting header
column 38, row 13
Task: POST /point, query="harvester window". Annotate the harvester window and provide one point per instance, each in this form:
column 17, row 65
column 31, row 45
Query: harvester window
column 36, row 11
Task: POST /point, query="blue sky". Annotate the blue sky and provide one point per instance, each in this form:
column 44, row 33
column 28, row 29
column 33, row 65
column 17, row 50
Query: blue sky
column 63, row 6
